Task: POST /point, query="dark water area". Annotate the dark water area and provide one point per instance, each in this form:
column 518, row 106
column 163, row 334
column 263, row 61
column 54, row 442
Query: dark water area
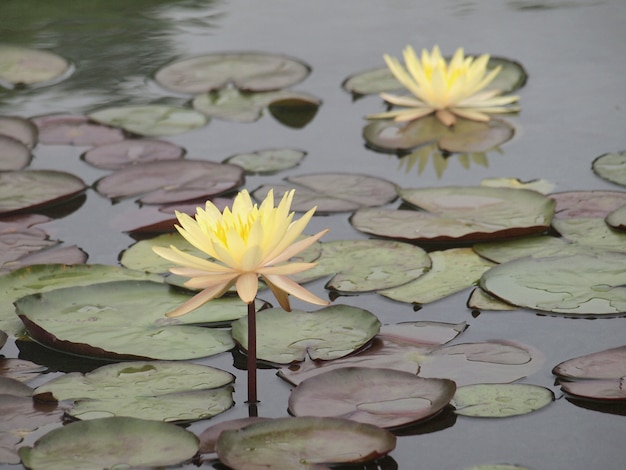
column 573, row 110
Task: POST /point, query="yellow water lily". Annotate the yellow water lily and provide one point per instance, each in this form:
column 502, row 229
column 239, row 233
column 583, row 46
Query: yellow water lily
column 446, row 89
column 245, row 242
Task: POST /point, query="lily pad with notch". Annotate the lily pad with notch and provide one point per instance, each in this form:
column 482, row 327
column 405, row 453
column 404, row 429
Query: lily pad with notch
column 26, row 67
column 573, row 204
column 611, row 167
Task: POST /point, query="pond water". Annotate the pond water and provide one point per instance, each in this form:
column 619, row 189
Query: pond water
column 573, row 110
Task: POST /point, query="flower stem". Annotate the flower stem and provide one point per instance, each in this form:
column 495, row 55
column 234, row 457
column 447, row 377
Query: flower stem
column 252, row 388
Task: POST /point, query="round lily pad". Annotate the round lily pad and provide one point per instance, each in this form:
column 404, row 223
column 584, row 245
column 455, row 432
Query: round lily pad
column 500, row 400
column 111, row 443
column 33, row 189
column 579, row 284
column 20, row 129
column 592, row 232
column 508, row 250
column 607, row 364
column 131, row 152
column 248, row 71
column 14, row 155
column 23, row 66
column 156, row 390
column 151, row 120
column 267, row 161
column 302, row 443
column 611, row 167
column 94, row 321
column 169, row 181
column 391, row 398
column 71, row 129
column 329, row 333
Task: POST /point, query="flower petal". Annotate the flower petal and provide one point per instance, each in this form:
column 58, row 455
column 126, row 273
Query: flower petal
column 199, row 299
column 291, row 287
column 247, row 287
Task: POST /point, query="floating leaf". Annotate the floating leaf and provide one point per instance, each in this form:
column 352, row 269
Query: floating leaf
column 14, row 155
column 34, row 189
column 579, row 284
column 539, row 185
column 22, row 66
column 157, row 390
column 592, row 232
column 20, row 129
column 329, row 333
column 43, row 278
column 333, row 192
column 111, row 443
column 267, row 161
column 500, row 400
column 617, row 218
column 391, row 398
column 573, row 204
column 232, row 105
column 58, row 254
column 422, row 333
column 611, row 167
column 94, row 321
column 367, row 265
column 63, row 129
column 460, row 214
column 610, row 390
column 165, row 182
column 464, row 137
column 249, row 71
column 131, row 152
column 452, row 271
column 607, row 364
column 20, row 369
column 208, row 437
column 151, row 120
column 508, row 250
column 480, row 300
column 303, row 443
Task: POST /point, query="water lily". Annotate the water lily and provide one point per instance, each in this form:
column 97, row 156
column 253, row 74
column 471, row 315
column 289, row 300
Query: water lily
column 448, row 89
column 245, row 243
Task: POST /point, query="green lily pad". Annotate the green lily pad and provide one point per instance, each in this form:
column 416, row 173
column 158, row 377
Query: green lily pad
column 267, row 161
column 459, row 214
column 464, row 137
column 249, row 71
column 579, row 284
column 333, row 192
column 591, row 232
column 367, row 265
column 34, row 189
column 303, row 443
column 111, row 443
column 611, row 167
column 22, row 66
column 21, row 129
column 507, row 250
column 208, row 437
column 140, row 255
column 500, row 400
column 540, row 185
column 391, row 398
column 231, row 104
column 329, row 333
column 481, row 300
column 617, row 218
column 151, row 120
column 116, row 155
column 511, row 77
column 44, row 278
column 95, row 321
column 71, row 129
column 422, row 333
column 156, row 390
column 452, row 271
column 574, row 204
column 170, row 181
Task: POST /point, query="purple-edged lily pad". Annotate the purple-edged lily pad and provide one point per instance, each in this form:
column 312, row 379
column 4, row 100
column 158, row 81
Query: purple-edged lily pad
column 23, row 66
column 33, row 189
column 500, row 400
column 14, row 155
column 208, row 437
column 166, row 182
column 19, row 128
column 132, row 152
column 333, row 192
column 611, row 167
column 390, row 399
column 248, row 71
column 109, row 443
column 64, row 129
column 20, row 369
column 306, row 443
column 571, row 204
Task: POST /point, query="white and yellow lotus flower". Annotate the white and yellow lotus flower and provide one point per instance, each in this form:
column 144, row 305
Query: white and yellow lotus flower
column 245, row 242
column 446, row 89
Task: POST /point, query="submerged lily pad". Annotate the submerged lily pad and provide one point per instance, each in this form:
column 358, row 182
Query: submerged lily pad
column 611, row 167
column 71, row 129
column 34, row 189
column 500, row 400
column 267, row 161
column 165, row 182
column 111, row 443
column 465, row 137
column 248, row 71
column 333, row 192
column 156, row 390
column 460, row 214
column 391, row 398
column 579, row 284
column 23, row 66
column 329, row 333
column 151, row 120
column 452, row 271
column 303, row 443
column 123, row 320
column 131, row 152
